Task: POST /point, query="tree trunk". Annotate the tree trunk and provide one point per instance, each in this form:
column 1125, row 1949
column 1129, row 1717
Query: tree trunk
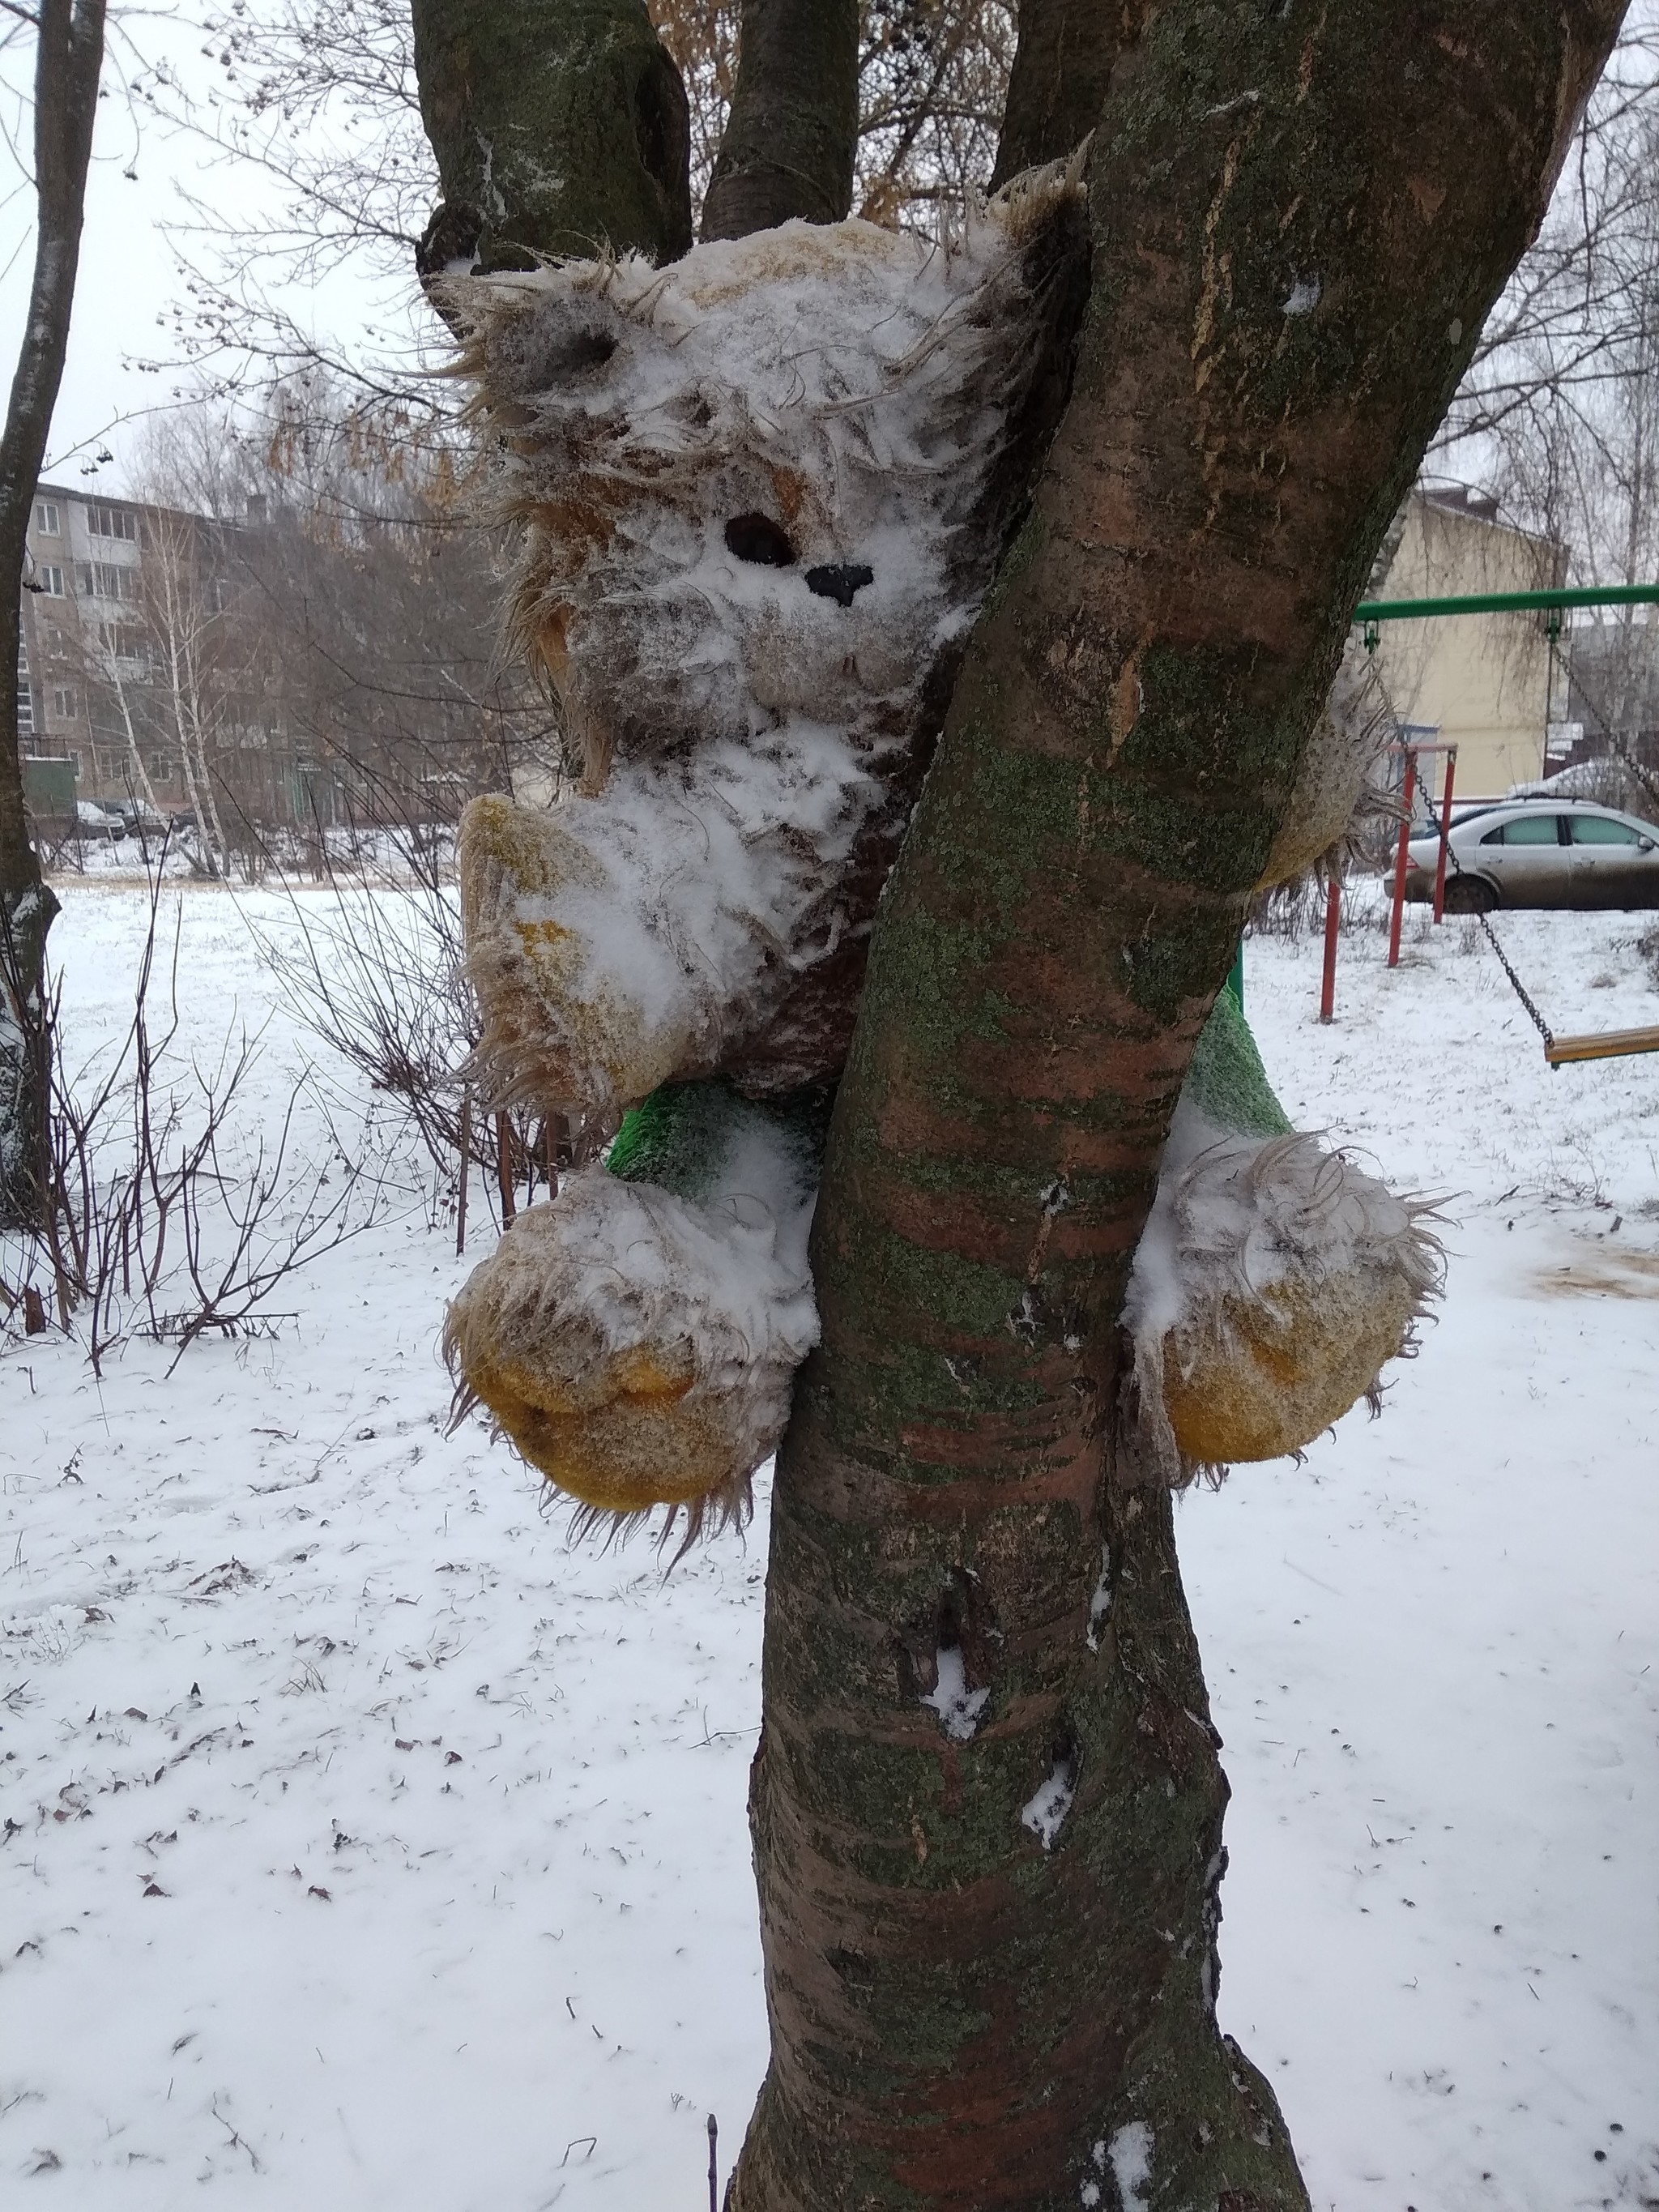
column 792, row 131
column 990, row 1946
column 989, row 1921
column 560, row 127
column 1062, row 72
column 70, row 48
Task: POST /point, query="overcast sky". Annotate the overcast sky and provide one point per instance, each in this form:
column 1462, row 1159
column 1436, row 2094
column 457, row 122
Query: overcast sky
column 143, row 173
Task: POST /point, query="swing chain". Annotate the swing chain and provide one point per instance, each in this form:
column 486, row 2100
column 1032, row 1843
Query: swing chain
column 1520, row 991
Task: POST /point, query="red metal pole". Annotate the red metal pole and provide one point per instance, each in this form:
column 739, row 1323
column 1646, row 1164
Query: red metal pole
column 1402, row 856
column 1333, row 917
column 1445, row 835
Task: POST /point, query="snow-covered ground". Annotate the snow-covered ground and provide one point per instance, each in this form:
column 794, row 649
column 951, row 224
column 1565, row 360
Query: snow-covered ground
column 364, row 1845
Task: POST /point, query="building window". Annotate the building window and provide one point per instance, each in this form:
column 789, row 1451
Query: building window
column 65, row 704
column 103, row 580
column 112, row 522
column 24, row 696
column 51, row 581
column 45, row 516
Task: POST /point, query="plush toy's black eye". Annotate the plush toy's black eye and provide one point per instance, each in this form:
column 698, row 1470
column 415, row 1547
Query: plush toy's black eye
column 564, row 355
column 839, row 580
column 757, row 537
column 586, row 349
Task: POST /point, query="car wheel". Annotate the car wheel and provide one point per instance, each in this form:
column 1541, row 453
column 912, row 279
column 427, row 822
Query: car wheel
column 1469, row 894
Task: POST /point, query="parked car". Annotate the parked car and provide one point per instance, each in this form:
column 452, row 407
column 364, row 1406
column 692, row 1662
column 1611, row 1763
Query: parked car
column 1527, row 851
column 141, row 818
column 92, row 820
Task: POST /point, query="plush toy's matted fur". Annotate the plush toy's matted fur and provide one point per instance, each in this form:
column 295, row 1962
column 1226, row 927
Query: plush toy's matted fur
column 760, row 496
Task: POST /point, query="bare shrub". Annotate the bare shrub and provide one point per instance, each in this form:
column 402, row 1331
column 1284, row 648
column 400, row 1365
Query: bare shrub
column 379, row 977
column 163, row 1217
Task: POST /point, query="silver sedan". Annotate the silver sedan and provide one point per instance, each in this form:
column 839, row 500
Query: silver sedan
column 1539, row 853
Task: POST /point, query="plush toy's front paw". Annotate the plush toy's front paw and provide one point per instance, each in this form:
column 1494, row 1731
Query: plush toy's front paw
column 644, row 933
column 1274, row 1279
column 562, row 1026
column 638, row 1345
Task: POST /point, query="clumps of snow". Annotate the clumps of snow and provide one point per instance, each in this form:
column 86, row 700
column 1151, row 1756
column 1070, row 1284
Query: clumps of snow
column 1272, row 1283
column 1303, row 296
column 959, row 1707
column 1131, row 2154
column 1044, row 1813
column 761, row 498
column 640, row 1349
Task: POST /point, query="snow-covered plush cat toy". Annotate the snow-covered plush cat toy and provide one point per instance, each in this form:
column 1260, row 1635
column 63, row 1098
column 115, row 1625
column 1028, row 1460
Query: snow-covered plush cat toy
column 763, row 493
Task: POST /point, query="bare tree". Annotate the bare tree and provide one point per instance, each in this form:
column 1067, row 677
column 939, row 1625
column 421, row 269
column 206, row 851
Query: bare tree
column 1299, row 222
column 68, row 56
column 325, row 106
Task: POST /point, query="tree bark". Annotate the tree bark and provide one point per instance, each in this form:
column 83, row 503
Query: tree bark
column 1062, row 72
column 792, row 131
column 560, row 127
column 1291, row 263
column 69, row 56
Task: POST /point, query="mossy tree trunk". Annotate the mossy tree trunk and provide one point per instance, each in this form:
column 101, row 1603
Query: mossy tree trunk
column 991, row 1955
column 1062, row 72
column 790, row 140
column 68, row 56
column 560, row 127
column 1301, row 215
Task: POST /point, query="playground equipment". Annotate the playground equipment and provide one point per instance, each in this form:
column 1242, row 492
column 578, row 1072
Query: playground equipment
column 1606, row 1044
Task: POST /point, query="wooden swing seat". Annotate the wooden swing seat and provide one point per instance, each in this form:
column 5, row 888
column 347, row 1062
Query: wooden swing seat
column 1610, row 1044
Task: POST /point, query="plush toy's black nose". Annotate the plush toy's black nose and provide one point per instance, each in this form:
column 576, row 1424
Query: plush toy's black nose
column 839, row 580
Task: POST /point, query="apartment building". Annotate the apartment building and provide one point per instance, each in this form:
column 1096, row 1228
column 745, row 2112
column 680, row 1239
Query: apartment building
column 304, row 664
column 80, row 606
column 1481, row 682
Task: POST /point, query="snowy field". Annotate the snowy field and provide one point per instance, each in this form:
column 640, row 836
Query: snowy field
column 366, row 1846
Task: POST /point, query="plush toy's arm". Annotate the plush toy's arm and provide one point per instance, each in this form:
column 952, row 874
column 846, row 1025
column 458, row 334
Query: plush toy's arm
column 646, row 934
column 1274, row 1279
column 637, row 1339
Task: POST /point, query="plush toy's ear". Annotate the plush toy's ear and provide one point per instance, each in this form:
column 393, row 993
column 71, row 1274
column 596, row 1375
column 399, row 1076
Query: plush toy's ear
column 1274, row 1279
column 637, row 1337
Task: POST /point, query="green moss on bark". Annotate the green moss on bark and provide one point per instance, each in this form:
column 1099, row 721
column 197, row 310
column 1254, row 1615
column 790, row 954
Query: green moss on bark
column 960, row 2016
column 560, row 127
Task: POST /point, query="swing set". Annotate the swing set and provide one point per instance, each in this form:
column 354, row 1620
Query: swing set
column 1558, row 1051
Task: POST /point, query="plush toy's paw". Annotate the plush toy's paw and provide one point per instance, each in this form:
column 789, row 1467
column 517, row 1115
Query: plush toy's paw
column 638, row 1343
column 1274, row 1279
column 559, row 1028
column 644, row 933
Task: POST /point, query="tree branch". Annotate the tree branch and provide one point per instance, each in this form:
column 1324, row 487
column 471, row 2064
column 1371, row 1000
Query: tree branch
column 791, row 136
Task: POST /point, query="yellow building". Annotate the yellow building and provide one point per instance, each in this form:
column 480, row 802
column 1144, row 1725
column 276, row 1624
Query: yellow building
column 1481, row 682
